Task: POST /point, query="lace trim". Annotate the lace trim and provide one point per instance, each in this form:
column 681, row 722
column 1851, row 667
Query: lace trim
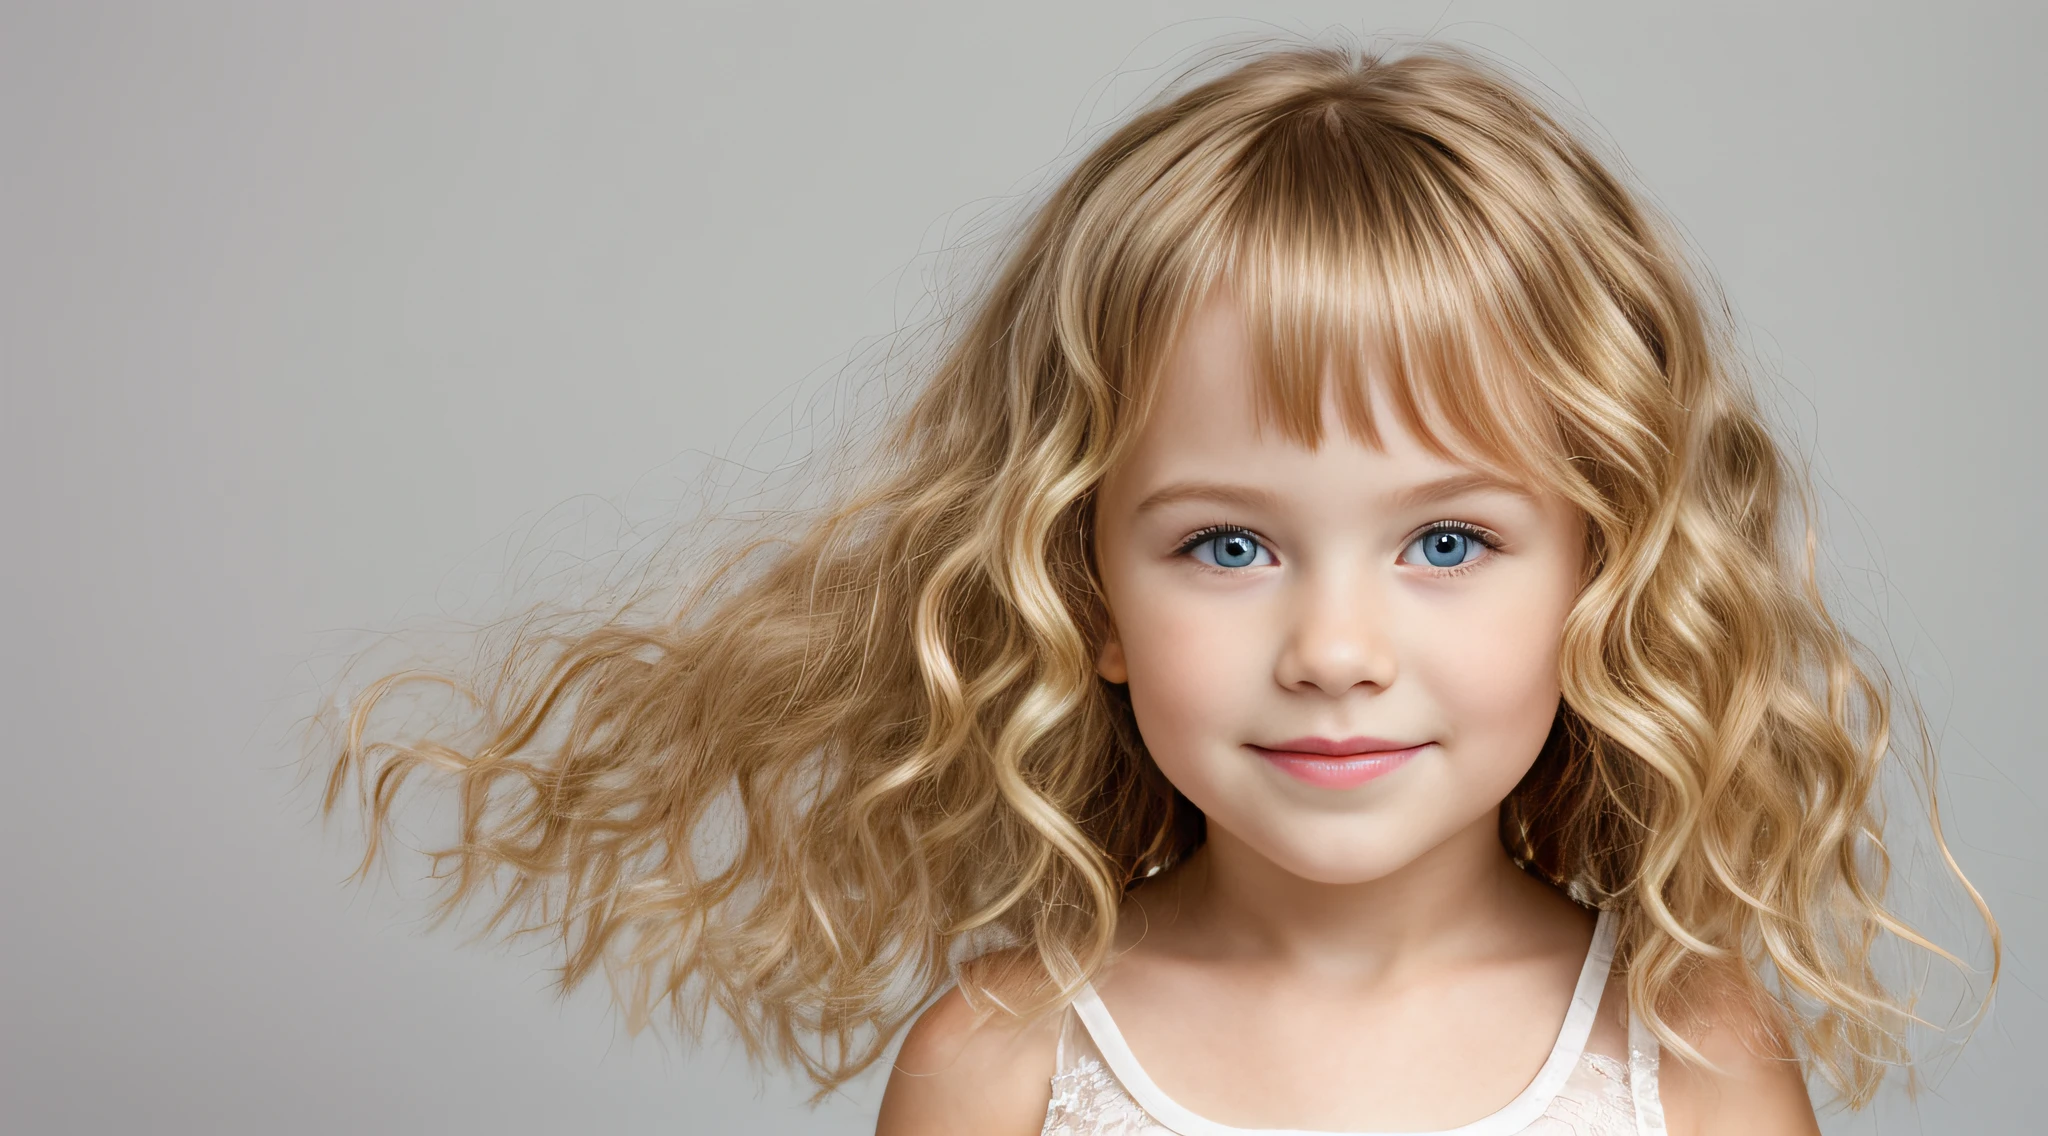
column 1088, row 1101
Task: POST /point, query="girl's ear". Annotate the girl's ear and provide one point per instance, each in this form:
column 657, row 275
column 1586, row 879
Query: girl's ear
column 1109, row 662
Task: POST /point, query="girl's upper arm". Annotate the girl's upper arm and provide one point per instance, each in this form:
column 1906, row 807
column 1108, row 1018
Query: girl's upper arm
column 1756, row 1086
column 960, row 1072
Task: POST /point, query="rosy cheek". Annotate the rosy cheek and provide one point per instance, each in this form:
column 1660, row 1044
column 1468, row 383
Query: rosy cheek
column 1492, row 666
column 1171, row 660
column 1184, row 669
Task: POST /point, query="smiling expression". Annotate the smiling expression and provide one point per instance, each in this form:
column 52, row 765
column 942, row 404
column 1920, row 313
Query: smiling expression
column 1343, row 655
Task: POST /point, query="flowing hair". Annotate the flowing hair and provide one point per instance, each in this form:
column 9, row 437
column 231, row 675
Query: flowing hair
column 895, row 720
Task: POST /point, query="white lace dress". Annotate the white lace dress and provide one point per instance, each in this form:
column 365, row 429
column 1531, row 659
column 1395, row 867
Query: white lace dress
column 1099, row 1089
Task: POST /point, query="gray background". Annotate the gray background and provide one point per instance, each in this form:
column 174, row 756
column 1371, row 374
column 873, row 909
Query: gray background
column 311, row 314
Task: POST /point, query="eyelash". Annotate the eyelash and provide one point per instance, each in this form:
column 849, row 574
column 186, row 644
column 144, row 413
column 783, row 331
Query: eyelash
column 1486, row 538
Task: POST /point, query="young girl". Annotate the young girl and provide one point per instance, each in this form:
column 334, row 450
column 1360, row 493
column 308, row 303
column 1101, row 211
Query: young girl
column 1321, row 654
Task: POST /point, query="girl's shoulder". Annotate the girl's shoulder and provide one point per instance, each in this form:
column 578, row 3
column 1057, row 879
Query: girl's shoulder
column 1748, row 1081
column 969, row 1068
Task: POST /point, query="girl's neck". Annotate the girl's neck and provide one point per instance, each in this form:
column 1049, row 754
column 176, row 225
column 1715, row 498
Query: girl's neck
column 1463, row 898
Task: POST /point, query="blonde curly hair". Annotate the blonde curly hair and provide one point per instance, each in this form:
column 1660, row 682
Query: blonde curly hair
column 898, row 717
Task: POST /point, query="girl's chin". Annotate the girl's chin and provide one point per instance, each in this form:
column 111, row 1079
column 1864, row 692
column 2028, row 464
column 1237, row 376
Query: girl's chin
column 1336, row 850
column 1299, row 855
column 1349, row 874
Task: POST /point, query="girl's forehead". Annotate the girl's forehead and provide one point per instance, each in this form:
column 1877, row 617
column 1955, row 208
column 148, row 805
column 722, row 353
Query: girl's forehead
column 1205, row 432
column 1216, row 389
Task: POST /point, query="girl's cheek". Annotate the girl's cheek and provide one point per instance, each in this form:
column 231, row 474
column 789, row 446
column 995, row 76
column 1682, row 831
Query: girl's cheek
column 1176, row 655
column 1191, row 670
column 1501, row 678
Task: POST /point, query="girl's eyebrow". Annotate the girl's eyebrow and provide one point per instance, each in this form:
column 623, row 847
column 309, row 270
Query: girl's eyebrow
column 1413, row 496
column 1241, row 495
column 1471, row 481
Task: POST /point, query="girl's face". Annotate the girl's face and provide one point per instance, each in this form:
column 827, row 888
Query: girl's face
column 1344, row 656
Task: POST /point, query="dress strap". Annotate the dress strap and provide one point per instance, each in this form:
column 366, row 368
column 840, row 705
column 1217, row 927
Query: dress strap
column 1074, row 1045
column 1644, row 1056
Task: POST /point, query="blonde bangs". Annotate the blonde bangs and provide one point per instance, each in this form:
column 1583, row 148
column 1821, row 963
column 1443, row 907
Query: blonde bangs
column 1355, row 263
column 1361, row 255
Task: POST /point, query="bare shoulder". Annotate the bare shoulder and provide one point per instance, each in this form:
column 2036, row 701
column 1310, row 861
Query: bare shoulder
column 1751, row 1084
column 964, row 1069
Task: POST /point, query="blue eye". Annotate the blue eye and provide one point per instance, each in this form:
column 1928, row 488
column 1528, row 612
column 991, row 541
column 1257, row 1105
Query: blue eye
column 1229, row 548
column 1449, row 547
column 1446, row 549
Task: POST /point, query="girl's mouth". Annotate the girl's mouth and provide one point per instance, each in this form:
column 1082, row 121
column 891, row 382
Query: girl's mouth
column 1336, row 765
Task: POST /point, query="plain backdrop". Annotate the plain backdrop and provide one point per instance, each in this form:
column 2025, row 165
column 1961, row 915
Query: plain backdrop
column 312, row 315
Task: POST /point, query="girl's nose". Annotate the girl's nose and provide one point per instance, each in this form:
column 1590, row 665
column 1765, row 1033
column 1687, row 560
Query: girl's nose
column 1338, row 638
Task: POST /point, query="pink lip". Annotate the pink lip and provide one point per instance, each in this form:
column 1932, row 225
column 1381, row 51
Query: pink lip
column 1342, row 764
